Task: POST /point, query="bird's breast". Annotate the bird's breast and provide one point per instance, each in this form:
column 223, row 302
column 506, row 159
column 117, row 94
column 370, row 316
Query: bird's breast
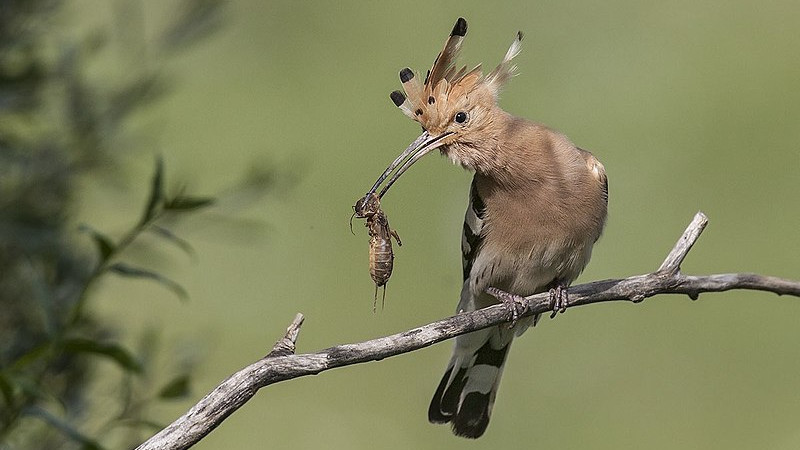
column 531, row 238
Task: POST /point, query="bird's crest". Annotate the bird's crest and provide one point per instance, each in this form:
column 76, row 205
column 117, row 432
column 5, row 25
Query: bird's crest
column 426, row 101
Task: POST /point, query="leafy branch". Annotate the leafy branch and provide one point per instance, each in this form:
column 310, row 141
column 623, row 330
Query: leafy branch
column 69, row 337
column 158, row 205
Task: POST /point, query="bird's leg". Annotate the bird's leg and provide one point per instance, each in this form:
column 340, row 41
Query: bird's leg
column 559, row 297
column 516, row 304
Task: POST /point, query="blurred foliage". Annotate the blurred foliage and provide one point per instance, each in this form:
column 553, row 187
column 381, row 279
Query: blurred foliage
column 57, row 126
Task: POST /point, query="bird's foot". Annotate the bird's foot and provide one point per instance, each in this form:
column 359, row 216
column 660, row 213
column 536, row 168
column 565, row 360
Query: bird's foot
column 517, row 305
column 559, row 298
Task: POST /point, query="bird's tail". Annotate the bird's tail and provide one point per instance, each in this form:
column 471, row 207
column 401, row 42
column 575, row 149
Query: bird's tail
column 469, row 386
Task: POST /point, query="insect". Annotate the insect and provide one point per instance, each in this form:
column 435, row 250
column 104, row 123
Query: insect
column 381, row 255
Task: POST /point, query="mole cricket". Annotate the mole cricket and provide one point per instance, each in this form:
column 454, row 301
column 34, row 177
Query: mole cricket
column 381, row 255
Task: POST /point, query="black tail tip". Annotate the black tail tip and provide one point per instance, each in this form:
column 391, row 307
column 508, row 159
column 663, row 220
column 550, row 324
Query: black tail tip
column 473, row 416
column 519, row 35
column 406, row 74
column 397, row 97
column 435, row 413
column 460, row 28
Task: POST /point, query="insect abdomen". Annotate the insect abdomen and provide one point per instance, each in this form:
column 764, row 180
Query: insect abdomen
column 381, row 259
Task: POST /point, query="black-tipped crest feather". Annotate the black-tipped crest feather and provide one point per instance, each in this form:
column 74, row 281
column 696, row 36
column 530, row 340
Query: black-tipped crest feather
column 449, row 53
column 460, row 28
column 406, row 74
column 397, row 97
column 402, row 102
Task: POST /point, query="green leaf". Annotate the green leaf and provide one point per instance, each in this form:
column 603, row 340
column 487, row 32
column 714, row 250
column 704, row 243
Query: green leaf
column 7, row 388
column 32, row 388
column 104, row 244
column 116, row 352
column 172, row 237
column 67, row 429
column 187, row 203
column 176, row 388
column 31, row 356
column 126, row 270
column 156, row 193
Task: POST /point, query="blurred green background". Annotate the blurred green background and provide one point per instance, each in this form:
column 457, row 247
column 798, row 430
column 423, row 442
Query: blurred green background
column 690, row 105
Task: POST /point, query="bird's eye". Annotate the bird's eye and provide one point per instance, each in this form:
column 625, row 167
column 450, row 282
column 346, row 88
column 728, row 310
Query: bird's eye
column 461, row 117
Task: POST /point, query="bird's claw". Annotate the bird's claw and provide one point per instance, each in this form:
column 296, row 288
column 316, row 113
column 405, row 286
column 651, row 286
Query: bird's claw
column 559, row 298
column 517, row 305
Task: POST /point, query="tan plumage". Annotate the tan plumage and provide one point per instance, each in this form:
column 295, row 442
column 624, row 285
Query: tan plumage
column 536, row 207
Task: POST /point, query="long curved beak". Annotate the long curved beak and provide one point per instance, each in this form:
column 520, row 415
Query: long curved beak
column 419, row 148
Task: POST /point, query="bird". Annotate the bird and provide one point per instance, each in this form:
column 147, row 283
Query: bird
column 537, row 205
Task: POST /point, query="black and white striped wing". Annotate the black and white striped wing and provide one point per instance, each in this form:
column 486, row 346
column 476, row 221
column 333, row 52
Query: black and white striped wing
column 466, row 392
column 473, row 225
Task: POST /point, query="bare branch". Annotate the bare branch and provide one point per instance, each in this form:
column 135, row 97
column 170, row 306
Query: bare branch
column 282, row 364
column 676, row 256
column 285, row 346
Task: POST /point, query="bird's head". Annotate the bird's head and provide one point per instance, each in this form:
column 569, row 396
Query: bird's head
column 457, row 108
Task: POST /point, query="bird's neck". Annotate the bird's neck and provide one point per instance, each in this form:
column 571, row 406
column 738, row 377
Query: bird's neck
column 518, row 153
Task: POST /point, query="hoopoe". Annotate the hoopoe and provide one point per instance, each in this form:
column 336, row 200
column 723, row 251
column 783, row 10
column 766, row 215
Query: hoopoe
column 537, row 205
